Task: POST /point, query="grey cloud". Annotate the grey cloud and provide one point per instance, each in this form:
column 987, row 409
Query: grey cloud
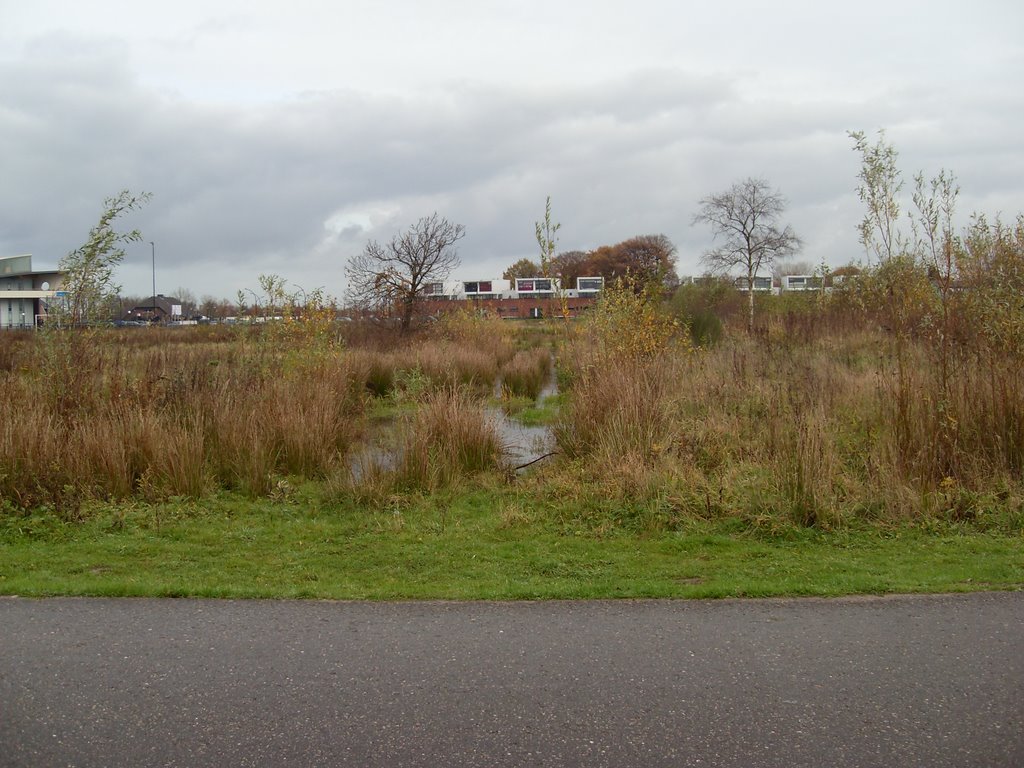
column 296, row 186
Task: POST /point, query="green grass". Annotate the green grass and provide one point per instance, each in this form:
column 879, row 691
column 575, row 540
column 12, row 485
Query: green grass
column 483, row 544
column 530, row 412
column 543, row 412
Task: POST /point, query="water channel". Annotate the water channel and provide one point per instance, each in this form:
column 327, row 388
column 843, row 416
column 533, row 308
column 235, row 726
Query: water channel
column 522, row 445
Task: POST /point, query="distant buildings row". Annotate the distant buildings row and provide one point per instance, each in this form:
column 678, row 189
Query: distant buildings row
column 521, row 297
column 787, row 284
column 544, row 297
column 25, row 294
column 520, row 288
column 590, row 287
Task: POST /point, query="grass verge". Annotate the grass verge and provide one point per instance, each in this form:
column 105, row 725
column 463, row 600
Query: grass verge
column 484, row 543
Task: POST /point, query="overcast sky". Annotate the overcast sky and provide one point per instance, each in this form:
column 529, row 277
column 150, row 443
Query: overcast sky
column 280, row 137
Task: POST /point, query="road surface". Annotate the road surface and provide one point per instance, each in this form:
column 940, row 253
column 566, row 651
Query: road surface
column 897, row 681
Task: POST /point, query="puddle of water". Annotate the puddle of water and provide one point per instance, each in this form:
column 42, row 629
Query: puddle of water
column 551, row 387
column 376, row 451
column 525, row 444
column 522, row 444
column 370, row 459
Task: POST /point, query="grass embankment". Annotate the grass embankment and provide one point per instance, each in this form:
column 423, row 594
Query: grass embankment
column 488, row 543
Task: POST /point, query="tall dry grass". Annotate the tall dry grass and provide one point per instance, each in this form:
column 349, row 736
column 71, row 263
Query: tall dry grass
column 437, row 363
column 811, row 420
column 449, row 438
column 968, row 428
column 452, row 364
column 817, row 430
column 621, row 412
column 94, row 420
column 479, row 331
column 526, row 373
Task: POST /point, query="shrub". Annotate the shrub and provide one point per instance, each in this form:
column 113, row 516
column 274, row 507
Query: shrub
column 628, row 323
column 700, row 307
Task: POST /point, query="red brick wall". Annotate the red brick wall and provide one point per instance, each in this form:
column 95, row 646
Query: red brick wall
column 507, row 307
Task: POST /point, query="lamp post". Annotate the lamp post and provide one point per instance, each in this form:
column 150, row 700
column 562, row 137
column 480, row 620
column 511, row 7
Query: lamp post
column 152, row 246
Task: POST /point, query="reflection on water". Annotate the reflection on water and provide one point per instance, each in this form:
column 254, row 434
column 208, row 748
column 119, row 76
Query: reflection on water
column 521, row 444
column 551, row 386
column 371, row 459
column 525, row 444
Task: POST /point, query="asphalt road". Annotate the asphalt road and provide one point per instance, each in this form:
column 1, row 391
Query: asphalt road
column 901, row 681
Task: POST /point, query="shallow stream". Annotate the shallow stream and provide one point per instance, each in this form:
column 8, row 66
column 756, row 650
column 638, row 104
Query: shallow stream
column 522, row 445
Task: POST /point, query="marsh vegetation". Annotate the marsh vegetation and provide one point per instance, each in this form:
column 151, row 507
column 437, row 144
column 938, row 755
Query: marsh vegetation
column 822, row 417
column 892, row 403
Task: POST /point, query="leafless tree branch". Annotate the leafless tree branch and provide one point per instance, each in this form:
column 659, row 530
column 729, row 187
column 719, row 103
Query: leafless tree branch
column 392, row 276
column 744, row 220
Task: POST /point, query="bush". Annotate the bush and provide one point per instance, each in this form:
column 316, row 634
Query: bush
column 628, row 323
column 700, row 308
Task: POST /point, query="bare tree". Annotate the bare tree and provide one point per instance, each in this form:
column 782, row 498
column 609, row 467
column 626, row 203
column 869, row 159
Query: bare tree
column 188, row 301
column 744, row 219
column 393, row 275
column 212, row 307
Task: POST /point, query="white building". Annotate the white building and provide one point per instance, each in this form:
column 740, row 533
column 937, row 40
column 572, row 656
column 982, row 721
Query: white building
column 520, row 288
column 761, row 284
column 24, row 294
column 801, row 283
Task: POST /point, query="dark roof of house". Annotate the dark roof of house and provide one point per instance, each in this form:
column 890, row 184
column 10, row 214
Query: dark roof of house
column 155, row 303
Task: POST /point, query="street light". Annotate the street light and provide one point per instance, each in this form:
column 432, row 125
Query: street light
column 152, row 246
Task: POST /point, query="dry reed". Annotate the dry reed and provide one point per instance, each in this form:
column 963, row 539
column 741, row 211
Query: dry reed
column 107, row 421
